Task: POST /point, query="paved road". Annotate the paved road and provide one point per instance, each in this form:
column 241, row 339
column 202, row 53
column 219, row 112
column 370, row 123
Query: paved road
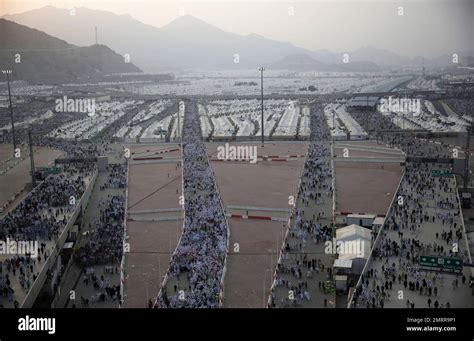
column 304, row 277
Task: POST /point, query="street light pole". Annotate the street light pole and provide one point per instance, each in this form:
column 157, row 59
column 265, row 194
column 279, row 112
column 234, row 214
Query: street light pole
column 7, row 72
column 261, row 69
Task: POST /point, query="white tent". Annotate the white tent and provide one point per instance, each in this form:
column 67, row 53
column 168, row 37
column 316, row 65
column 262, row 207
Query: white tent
column 354, row 241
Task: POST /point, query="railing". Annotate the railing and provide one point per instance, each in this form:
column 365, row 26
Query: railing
column 39, row 282
column 165, row 277
column 285, row 238
column 469, row 257
column 122, row 263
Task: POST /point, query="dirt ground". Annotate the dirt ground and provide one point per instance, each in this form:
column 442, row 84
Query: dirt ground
column 366, row 187
column 151, row 187
column 263, row 185
column 16, row 178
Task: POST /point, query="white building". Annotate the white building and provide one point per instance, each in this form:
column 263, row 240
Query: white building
column 353, row 242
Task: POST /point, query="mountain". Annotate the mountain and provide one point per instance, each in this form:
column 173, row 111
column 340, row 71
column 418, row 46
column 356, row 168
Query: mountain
column 37, row 57
column 298, row 62
column 190, row 43
column 447, row 59
column 16, row 36
column 378, row 56
column 186, row 42
column 303, row 62
column 326, row 56
column 359, row 66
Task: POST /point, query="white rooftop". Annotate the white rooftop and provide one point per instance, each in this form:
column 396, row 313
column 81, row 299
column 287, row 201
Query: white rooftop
column 343, row 263
column 348, row 232
column 371, row 216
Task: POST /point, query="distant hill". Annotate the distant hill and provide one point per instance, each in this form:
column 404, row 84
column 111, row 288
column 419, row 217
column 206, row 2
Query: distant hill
column 46, row 59
column 185, row 43
column 359, row 66
column 299, row 62
column 190, row 43
column 302, row 62
column 385, row 58
column 378, row 56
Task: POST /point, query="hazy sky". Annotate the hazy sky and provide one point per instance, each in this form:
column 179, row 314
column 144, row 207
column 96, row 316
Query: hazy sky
column 427, row 27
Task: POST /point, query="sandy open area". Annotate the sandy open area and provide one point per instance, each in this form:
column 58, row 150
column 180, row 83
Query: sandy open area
column 16, row 178
column 365, row 187
column 151, row 187
column 262, row 185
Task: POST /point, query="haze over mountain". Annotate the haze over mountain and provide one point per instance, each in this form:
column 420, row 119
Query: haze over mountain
column 187, row 42
column 190, row 43
column 302, row 62
column 40, row 58
column 378, row 56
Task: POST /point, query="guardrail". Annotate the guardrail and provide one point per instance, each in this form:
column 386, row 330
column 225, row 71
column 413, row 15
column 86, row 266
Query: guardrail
column 469, row 256
column 37, row 285
column 224, row 269
column 165, row 277
column 122, row 263
column 285, row 238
